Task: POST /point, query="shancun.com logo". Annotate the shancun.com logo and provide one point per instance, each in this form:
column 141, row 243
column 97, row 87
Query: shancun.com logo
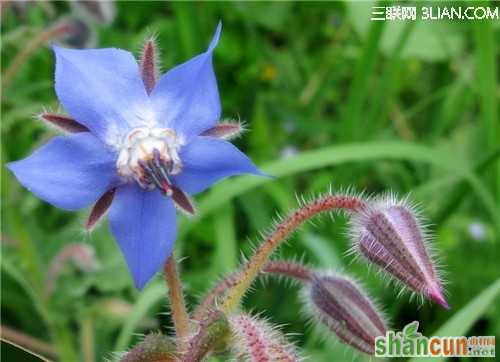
column 411, row 343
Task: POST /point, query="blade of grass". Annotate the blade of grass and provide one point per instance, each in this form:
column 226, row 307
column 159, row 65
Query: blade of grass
column 461, row 190
column 58, row 329
column 28, row 351
column 486, row 74
column 186, row 23
column 9, row 269
column 333, row 155
column 226, row 254
column 351, row 118
column 384, row 95
column 148, row 298
column 462, row 321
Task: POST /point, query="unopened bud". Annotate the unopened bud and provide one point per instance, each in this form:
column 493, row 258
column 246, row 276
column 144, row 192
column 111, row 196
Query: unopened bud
column 256, row 341
column 101, row 11
column 80, row 33
column 389, row 234
column 155, row 347
column 337, row 302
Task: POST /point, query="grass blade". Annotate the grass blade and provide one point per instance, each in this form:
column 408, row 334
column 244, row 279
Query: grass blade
column 147, row 299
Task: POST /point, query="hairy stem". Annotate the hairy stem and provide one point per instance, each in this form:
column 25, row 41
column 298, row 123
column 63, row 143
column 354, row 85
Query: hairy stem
column 209, row 300
column 212, row 332
column 177, row 304
column 233, row 287
column 289, row 269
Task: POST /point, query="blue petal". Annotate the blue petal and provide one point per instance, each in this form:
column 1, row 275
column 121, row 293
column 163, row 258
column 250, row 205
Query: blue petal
column 186, row 98
column 102, row 89
column 207, row 160
column 143, row 223
column 69, row 172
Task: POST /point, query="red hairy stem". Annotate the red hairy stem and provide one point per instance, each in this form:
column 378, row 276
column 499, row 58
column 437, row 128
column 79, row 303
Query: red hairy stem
column 289, row 269
column 177, row 304
column 208, row 301
column 233, row 287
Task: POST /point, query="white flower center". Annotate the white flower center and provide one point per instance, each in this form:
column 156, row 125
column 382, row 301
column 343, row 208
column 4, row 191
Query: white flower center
column 149, row 156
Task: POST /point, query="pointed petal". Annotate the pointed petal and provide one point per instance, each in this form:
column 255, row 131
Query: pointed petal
column 186, row 98
column 207, row 160
column 69, row 172
column 143, row 223
column 102, row 89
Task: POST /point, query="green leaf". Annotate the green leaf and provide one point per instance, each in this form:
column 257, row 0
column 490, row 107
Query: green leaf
column 148, row 298
column 328, row 156
column 226, row 253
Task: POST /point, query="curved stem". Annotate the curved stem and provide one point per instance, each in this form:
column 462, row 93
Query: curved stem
column 289, row 269
column 233, row 287
column 177, row 304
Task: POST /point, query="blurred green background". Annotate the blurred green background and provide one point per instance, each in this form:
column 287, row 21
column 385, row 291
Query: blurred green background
column 331, row 99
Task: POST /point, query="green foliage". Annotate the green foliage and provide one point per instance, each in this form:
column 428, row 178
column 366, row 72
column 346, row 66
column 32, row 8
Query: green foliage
column 389, row 106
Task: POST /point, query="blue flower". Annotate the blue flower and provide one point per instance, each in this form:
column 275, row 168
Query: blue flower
column 137, row 146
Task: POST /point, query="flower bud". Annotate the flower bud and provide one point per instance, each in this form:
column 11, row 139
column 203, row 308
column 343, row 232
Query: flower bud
column 80, row 33
column 154, row 347
column 256, row 341
column 213, row 336
column 337, row 302
column 389, row 234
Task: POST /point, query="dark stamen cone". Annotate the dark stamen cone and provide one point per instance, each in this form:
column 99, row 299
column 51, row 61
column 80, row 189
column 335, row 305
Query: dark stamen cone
column 63, row 122
column 389, row 235
column 101, row 206
column 342, row 306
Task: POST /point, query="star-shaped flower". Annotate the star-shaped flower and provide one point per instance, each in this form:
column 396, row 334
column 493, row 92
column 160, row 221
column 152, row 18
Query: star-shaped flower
column 138, row 145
